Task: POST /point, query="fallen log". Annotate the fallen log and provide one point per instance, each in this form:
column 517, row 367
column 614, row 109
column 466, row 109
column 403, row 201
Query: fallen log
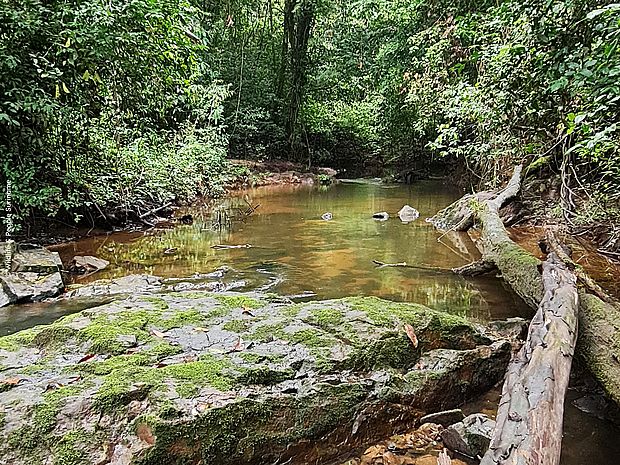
column 518, row 267
column 599, row 320
column 530, row 415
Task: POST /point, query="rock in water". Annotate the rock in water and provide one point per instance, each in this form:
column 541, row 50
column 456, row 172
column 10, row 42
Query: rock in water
column 327, row 216
column 381, row 216
column 88, row 264
column 407, row 214
column 37, row 260
column 471, row 436
column 227, row 378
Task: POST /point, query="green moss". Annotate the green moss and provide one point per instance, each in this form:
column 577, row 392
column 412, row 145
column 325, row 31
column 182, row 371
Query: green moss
column 267, row 332
column 236, row 326
column 14, row 342
column 310, row 338
column 68, row 450
column 327, row 317
column 133, row 377
column 179, row 319
column 218, row 312
column 265, row 375
column 53, row 336
column 238, row 301
column 157, row 303
column 291, row 311
column 251, row 358
column 163, row 350
column 392, row 350
column 207, row 371
column 46, row 412
column 103, row 332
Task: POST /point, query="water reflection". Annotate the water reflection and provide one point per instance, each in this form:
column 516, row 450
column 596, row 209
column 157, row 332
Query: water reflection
column 294, row 251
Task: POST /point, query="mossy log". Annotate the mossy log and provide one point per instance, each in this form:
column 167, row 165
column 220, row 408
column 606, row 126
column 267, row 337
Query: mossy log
column 518, row 267
column 599, row 315
column 529, row 419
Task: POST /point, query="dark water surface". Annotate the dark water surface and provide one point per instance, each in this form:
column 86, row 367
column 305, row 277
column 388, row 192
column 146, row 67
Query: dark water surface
column 294, row 252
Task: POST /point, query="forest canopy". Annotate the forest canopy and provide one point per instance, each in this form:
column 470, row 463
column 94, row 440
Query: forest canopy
column 124, row 104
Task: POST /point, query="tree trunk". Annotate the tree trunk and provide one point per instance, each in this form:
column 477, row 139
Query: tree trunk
column 599, row 318
column 529, row 419
column 518, row 267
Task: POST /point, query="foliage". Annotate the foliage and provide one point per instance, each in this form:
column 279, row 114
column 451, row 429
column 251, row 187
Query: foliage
column 130, row 103
column 99, row 101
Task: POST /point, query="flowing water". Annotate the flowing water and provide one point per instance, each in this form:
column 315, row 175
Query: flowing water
column 290, row 250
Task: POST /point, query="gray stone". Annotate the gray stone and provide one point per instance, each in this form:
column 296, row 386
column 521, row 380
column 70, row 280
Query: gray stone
column 407, row 214
column 445, row 418
column 514, row 328
column 26, row 286
column 136, row 283
column 5, row 297
column 209, row 383
column 40, row 261
column 471, row 436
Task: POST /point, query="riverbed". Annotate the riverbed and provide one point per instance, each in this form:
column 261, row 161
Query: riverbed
column 284, row 246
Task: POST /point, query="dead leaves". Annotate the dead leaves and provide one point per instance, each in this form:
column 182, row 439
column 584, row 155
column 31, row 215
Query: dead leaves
column 86, row 358
column 411, row 335
column 158, row 334
column 9, row 383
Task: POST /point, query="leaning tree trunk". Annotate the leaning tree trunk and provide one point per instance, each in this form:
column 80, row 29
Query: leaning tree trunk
column 518, row 267
column 529, row 419
column 599, row 315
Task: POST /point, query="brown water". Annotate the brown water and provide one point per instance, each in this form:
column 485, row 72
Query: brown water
column 295, row 252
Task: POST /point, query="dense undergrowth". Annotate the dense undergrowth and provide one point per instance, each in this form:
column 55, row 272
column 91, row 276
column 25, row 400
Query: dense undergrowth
column 124, row 105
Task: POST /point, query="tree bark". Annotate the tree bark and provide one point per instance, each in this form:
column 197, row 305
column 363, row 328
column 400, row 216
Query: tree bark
column 529, row 419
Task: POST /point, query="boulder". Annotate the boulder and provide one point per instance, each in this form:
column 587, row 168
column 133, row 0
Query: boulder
column 26, row 286
column 37, row 260
column 407, row 214
column 471, row 436
column 88, row 264
column 228, row 378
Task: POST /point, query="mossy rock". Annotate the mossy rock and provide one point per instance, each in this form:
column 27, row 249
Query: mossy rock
column 229, row 378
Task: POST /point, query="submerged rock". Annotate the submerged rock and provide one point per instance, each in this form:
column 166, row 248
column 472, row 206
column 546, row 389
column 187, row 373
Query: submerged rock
column 471, row 436
column 189, row 377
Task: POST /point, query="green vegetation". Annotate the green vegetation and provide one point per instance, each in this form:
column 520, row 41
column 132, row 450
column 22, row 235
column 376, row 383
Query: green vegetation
column 111, row 108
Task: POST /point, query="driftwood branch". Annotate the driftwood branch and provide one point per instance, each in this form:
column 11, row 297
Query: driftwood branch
column 155, row 210
column 435, row 269
column 530, row 415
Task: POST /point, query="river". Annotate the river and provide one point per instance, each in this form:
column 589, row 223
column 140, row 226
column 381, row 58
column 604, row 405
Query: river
column 290, row 250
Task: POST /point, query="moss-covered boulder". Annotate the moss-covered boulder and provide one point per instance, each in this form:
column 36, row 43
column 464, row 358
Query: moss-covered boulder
column 196, row 377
